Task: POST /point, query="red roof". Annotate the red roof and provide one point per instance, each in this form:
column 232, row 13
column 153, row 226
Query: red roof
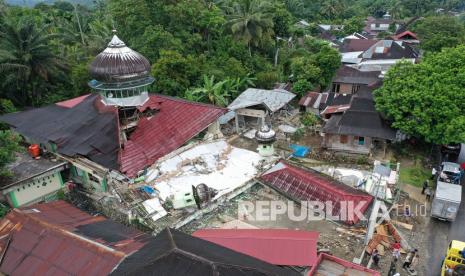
column 276, row 246
column 72, row 102
column 335, row 109
column 310, row 185
column 348, row 268
column 58, row 239
column 405, row 34
column 175, row 122
column 309, row 99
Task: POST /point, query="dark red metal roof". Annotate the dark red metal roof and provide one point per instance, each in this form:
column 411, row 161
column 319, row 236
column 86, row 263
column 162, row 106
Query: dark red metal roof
column 309, row 185
column 175, row 122
column 276, row 246
column 351, row 268
column 58, row 239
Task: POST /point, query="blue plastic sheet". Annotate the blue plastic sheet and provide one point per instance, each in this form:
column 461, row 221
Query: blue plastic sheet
column 299, row 151
column 149, row 190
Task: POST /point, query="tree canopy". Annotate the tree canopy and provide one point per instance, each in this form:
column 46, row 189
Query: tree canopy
column 437, row 32
column 426, row 100
column 9, row 145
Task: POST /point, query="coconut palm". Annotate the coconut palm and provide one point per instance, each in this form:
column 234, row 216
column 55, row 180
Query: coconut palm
column 27, row 58
column 332, row 8
column 250, row 21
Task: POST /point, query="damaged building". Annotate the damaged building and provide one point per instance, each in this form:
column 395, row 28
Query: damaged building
column 108, row 139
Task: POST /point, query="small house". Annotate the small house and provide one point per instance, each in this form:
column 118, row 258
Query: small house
column 357, row 130
column 257, row 104
column 32, row 180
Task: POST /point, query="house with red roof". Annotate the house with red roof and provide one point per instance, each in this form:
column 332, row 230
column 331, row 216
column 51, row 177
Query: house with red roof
column 56, row 238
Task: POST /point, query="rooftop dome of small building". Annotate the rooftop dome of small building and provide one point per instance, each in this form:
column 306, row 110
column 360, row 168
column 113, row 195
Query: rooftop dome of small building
column 265, row 134
column 119, row 63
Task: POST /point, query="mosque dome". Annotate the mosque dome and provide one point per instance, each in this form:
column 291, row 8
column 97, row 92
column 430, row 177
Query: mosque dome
column 119, row 63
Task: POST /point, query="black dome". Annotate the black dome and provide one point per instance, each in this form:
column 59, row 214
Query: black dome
column 119, row 63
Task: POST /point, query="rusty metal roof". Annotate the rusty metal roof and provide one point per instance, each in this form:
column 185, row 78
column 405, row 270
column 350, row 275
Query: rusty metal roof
column 57, row 238
column 309, row 185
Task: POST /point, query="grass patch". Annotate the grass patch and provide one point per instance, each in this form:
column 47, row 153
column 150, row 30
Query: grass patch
column 414, row 175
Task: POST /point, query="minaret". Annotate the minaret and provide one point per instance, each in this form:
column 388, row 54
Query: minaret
column 121, row 75
column 265, row 137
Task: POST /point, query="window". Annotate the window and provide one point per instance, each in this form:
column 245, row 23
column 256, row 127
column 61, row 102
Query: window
column 361, row 141
column 93, row 178
column 355, row 88
column 343, row 139
column 336, row 87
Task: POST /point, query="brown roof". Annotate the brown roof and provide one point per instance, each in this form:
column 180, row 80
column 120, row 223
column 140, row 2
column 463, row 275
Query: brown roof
column 356, row 45
column 347, row 74
column 57, row 238
column 309, row 99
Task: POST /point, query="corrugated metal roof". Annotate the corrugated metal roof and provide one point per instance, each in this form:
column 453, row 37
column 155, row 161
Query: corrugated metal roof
column 309, row 185
column 172, row 252
column 272, row 99
column 276, row 246
column 175, row 122
column 309, row 99
column 47, row 239
column 332, row 263
column 84, row 126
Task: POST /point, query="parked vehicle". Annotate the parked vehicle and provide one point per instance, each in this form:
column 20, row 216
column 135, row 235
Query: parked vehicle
column 446, row 201
column 450, row 173
column 454, row 261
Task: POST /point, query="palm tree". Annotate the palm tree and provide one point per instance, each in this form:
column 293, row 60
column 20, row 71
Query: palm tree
column 27, row 58
column 396, row 9
column 332, row 8
column 250, row 21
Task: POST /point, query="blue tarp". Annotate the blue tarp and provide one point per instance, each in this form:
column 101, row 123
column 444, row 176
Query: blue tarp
column 299, row 151
column 149, row 190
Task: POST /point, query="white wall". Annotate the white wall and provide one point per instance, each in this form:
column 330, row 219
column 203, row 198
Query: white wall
column 37, row 188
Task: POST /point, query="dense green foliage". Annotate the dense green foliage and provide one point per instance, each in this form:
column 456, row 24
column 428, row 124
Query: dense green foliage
column 439, row 32
column 426, row 100
column 45, row 51
column 9, row 144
